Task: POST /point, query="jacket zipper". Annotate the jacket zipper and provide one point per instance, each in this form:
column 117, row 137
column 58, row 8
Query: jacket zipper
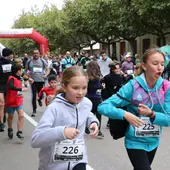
column 76, row 128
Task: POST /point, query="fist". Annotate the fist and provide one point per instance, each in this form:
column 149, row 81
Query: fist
column 71, row 133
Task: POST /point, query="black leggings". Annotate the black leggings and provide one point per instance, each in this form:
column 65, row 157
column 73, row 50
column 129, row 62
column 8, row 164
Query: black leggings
column 96, row 102
column 36, row 87
column 80, row 166
column 141, row 159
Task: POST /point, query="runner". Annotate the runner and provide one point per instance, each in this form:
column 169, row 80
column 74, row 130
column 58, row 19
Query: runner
column 5, row 72
column 104, row 62
column 112, row 82
column 94, row 91
column 60, row 132
column 14, row 100
column 150, row 95
column 37, row 69
column 67, row 62
column 85, row 60
column 50, row 90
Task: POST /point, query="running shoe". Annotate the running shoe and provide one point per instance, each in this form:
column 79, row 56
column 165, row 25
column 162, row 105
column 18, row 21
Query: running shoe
column 20, row 135
column 40, row 103
column 34, row 113
column 2, row 127
column 100, row 135
column 10, row 133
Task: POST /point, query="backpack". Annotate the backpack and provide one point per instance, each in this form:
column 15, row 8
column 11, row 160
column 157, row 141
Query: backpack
column 118, row 127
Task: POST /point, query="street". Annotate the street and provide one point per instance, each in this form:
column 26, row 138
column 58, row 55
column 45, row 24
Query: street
column 104, row 154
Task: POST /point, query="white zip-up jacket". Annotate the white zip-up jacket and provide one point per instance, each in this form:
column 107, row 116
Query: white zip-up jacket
column 58, row 115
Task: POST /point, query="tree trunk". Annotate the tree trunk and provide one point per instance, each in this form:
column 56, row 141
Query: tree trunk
column 132, row 45
column 109, row 49
column 91, row 49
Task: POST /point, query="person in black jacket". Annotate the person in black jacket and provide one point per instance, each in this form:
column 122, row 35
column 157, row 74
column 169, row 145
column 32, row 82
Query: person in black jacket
column 5, row 72
column 112, row 81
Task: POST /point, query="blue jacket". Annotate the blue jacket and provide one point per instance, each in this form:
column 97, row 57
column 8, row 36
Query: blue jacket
column 94, row 89
column 58, row 115
column 136, row 90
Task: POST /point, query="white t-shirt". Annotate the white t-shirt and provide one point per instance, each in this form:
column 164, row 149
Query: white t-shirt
column 104, row 65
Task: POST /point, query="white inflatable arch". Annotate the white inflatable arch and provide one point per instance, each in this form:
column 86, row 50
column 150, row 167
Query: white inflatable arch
column 27, row 33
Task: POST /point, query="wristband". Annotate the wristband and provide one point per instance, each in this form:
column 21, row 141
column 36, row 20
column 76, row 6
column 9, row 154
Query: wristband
column 152, row 114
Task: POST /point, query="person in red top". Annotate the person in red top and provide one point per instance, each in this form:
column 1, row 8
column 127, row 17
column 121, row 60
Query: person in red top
column 50, row 90
column 14, row 100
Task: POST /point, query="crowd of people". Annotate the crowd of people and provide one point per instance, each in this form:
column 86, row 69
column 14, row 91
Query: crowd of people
column 90, row 87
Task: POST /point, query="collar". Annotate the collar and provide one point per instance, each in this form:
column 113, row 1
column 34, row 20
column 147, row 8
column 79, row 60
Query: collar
column 18, row 77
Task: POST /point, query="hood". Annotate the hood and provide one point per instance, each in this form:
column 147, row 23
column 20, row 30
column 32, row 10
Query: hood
column 142, row 81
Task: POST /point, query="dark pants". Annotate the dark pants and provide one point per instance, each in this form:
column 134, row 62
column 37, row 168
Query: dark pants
column 96, row 102
column 36, row 87
column 140, row 159
column 81, row 166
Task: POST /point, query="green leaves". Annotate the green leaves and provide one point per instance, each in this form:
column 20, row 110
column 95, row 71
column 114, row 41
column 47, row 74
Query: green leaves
column 104, row 21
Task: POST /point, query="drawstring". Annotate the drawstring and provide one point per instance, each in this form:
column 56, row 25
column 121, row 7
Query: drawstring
column 150, row 98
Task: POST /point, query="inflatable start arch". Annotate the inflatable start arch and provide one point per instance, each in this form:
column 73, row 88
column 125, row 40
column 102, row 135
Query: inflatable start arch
column 27, row 33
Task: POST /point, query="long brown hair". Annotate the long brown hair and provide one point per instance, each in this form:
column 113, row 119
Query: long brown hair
column 93, row 70
column 146, row 55
column 70, row 73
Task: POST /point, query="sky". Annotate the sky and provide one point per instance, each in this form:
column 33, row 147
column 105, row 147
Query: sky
column 11, row 9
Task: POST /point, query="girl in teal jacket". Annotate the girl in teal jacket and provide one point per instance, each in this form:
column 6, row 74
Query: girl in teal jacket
column 150, row 94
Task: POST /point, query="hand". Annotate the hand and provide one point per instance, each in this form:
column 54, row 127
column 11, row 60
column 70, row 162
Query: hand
column 95, row 128
column 71, row 133
column 24, row 89
column 31, row 80
column 103, row 85
column 44, row 76
column 144, row 110
column 133, row 120
column 125, row 75
column 1, row 100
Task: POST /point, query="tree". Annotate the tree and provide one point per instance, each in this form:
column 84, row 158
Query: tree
column 155, row 17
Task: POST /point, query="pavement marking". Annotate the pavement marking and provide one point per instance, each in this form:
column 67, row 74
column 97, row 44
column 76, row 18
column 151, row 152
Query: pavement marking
column 89, row 167
column 33, row 122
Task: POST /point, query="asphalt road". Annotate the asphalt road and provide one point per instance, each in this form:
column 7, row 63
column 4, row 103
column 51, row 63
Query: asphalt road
column 103, row 154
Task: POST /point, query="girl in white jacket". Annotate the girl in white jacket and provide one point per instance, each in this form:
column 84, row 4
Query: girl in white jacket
column 60, row 132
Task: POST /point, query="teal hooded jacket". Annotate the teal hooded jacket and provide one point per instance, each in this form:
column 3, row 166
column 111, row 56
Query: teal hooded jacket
column 137, row 90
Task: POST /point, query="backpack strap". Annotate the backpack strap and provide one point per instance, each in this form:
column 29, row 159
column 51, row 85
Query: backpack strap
column 32, row 59
column 68, row 62
column 131, row 102
column 43, row 62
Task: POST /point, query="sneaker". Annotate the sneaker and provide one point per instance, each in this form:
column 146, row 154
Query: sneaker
column 40, row 103
column 100, row 135
column 10, row 133
column 34, row 113
column 2, row 127
column 87, row 131
column 20, row 135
